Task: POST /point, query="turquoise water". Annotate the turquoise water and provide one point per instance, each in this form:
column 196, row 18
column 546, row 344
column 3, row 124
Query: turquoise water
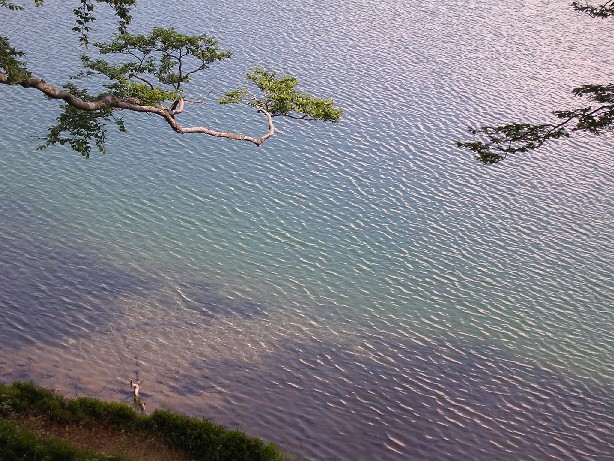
column 362, row 290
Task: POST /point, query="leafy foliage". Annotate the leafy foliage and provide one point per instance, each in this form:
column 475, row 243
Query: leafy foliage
column 81, row 130
column 509, row 139
column 157, row 66
column 515, row 138
column 161, row 62
column 206, row 440
column 147, row 73
column 597, row 11
column 84, row 16
column 10, row 5
column 14, row 68
column 499, row 141
column 16, row 7
column 278, row 96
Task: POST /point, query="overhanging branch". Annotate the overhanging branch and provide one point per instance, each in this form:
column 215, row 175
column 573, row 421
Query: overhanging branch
column 110, row 101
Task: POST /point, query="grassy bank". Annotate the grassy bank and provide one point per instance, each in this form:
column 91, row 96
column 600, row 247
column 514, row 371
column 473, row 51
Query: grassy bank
column 36, row 424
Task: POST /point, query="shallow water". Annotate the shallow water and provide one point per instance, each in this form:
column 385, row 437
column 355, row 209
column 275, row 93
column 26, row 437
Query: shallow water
column 362, row 290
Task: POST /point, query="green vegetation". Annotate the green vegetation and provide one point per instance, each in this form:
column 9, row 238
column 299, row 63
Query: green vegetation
column 191, row 437
column 147, row 73
column 500, row 141
column 20, row 444
column 279, row 97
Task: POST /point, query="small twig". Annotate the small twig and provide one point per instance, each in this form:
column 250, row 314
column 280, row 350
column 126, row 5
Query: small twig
column 192, row 101
column 138, row 77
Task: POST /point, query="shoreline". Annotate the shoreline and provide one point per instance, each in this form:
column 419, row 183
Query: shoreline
column 37, row 420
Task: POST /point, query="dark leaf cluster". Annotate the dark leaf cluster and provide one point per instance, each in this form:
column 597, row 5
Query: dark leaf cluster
column 15, row 69
column 497, row 142
column 84, row 16
column 79, row 129
column 510, row 139
column 596, row 11
column 15, row 6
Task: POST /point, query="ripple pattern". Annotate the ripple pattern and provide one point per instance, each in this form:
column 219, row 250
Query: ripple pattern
column 355, row 291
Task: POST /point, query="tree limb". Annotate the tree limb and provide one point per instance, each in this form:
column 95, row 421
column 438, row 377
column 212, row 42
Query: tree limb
column 110, row 101
column 513, row 138
column 603, row 10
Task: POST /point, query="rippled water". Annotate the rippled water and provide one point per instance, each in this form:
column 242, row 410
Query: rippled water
column 354, row 291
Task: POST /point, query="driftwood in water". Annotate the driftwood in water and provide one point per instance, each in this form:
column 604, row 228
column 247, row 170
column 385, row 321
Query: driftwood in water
column 137, row 398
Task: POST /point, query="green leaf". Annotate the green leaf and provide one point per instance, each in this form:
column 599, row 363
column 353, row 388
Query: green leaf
column 279, row 97
column 14, row 68
column 81, row 130
column 233, row 97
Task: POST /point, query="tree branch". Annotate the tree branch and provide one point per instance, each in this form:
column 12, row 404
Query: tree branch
column 603, row 10
column 138, row 77
column 110, row 101
column 521, row 137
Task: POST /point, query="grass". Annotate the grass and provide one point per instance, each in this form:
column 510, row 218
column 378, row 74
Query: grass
column 18, row 443
column 36, row 424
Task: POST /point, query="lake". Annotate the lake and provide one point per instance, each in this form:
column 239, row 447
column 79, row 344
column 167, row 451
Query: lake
column 352, row 291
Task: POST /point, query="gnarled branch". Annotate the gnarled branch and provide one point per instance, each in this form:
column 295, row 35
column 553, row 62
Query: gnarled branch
column 112, row 102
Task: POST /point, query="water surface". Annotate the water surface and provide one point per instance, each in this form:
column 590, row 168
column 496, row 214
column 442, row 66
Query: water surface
column 362, row 290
